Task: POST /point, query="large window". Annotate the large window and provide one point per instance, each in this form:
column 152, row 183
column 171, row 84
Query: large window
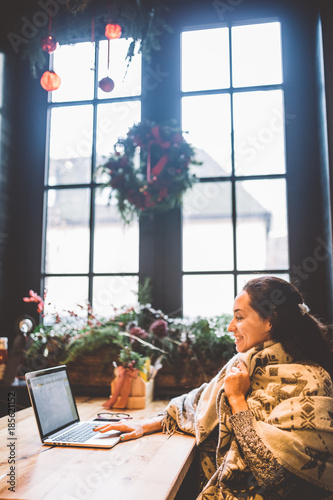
column 235, row 219
column 88, row 253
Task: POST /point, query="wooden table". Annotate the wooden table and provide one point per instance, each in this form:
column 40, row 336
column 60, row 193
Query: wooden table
column 150, row 468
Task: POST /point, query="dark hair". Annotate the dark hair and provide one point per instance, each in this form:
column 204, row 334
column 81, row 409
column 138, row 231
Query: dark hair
column 302, row 335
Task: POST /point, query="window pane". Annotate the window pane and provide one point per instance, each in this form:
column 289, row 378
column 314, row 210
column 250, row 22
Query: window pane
column 262, row 241
column 207, row 121
column 242, row 279
column 116, row 246
column 127, row 78
column 259, row 133
column 207, row 295
column 113, row 292
column 67, row 235
column 205, row 59
column 207, row 227
column 256, row 54
column 113, row 121
column 70, row 145
column 75, row 66
column 65, row 294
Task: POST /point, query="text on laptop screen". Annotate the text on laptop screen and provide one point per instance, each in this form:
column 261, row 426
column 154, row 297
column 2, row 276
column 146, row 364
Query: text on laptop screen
column 54, row 402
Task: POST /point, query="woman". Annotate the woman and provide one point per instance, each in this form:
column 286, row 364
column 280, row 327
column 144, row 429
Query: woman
column 264, row 424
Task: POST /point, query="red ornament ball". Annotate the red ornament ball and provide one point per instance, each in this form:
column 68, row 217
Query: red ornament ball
column 50, row 81
column 49, row 43
column 106, row 84
column 112, row 31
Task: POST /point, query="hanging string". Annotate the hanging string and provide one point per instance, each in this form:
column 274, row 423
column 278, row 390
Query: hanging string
column 49, row 20
column 51, row 58
column 93, row 29
column 109, row 48
column 109, row 41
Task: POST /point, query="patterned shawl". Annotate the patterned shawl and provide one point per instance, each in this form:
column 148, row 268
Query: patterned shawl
column 293, row 407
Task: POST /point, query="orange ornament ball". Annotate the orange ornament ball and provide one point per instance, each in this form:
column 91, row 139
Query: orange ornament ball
column 112, row 31
column 50, row 81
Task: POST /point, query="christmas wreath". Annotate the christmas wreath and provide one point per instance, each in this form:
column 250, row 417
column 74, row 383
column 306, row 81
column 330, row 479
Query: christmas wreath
column 149, row 169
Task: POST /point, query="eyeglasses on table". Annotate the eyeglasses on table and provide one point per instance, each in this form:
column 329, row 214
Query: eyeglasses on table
column 112, row 417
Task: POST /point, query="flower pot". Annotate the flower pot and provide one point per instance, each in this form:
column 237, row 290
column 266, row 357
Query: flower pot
column 129, row 390
column 91, row 374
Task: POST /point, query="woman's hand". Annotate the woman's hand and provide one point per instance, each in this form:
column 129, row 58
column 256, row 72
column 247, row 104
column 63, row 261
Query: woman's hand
column 236, row 386
column 132, row 430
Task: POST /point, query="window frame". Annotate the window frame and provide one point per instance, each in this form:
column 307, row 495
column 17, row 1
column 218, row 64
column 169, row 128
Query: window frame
column 233, row 178
column 92, row 186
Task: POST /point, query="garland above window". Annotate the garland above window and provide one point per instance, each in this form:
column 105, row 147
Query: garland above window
column 73, row 21
column 149, row 169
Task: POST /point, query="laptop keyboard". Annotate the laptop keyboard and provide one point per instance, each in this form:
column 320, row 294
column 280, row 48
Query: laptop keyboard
column 79, row 434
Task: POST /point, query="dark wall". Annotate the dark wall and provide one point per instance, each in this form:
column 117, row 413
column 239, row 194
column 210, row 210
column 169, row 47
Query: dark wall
column 22, row 172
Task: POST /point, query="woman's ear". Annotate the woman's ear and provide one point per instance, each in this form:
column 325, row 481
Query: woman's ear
column 269, row 326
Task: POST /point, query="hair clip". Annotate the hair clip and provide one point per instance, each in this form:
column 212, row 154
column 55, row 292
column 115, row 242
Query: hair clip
column 304, row 309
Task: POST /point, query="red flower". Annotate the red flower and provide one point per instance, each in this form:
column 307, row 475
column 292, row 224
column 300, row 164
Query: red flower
column 33, row 297
column 135, row 198
column 40, row 306
column 123, row 161
column 137, row 141
column 138, row 332
column 117, row 181
column 177, row 139
column 149, row 202
column 159, row 328
column 163, row 193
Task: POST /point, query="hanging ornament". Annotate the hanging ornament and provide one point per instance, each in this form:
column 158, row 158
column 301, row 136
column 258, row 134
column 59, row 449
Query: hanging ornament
column 106, row 84
column 112, row 31
column 49, row 43
column 50, row 81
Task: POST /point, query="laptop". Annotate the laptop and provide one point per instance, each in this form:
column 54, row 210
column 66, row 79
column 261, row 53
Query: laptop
column 56, row 413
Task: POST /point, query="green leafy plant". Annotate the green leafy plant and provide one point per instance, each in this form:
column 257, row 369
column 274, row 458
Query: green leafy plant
column 187, row 347
column 78, row 20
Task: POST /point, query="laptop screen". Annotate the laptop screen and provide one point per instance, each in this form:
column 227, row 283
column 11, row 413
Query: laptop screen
column 52, row 399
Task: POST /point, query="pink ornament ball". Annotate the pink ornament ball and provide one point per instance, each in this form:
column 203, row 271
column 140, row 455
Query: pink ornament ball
column 106, row 84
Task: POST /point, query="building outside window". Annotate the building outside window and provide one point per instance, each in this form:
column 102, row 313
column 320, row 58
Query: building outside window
column 88, row 253
column 235, row 219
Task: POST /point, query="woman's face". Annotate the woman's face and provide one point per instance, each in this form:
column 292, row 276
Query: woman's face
column 248, row 328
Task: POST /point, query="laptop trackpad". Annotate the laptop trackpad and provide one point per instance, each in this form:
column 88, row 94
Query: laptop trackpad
column 107, row 438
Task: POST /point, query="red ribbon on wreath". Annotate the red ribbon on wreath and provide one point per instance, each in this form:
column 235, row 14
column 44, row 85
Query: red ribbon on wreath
column 157, row 169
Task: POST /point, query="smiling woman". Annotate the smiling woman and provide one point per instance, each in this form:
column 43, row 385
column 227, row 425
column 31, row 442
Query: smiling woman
column 248, row 327
column 251, row 421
